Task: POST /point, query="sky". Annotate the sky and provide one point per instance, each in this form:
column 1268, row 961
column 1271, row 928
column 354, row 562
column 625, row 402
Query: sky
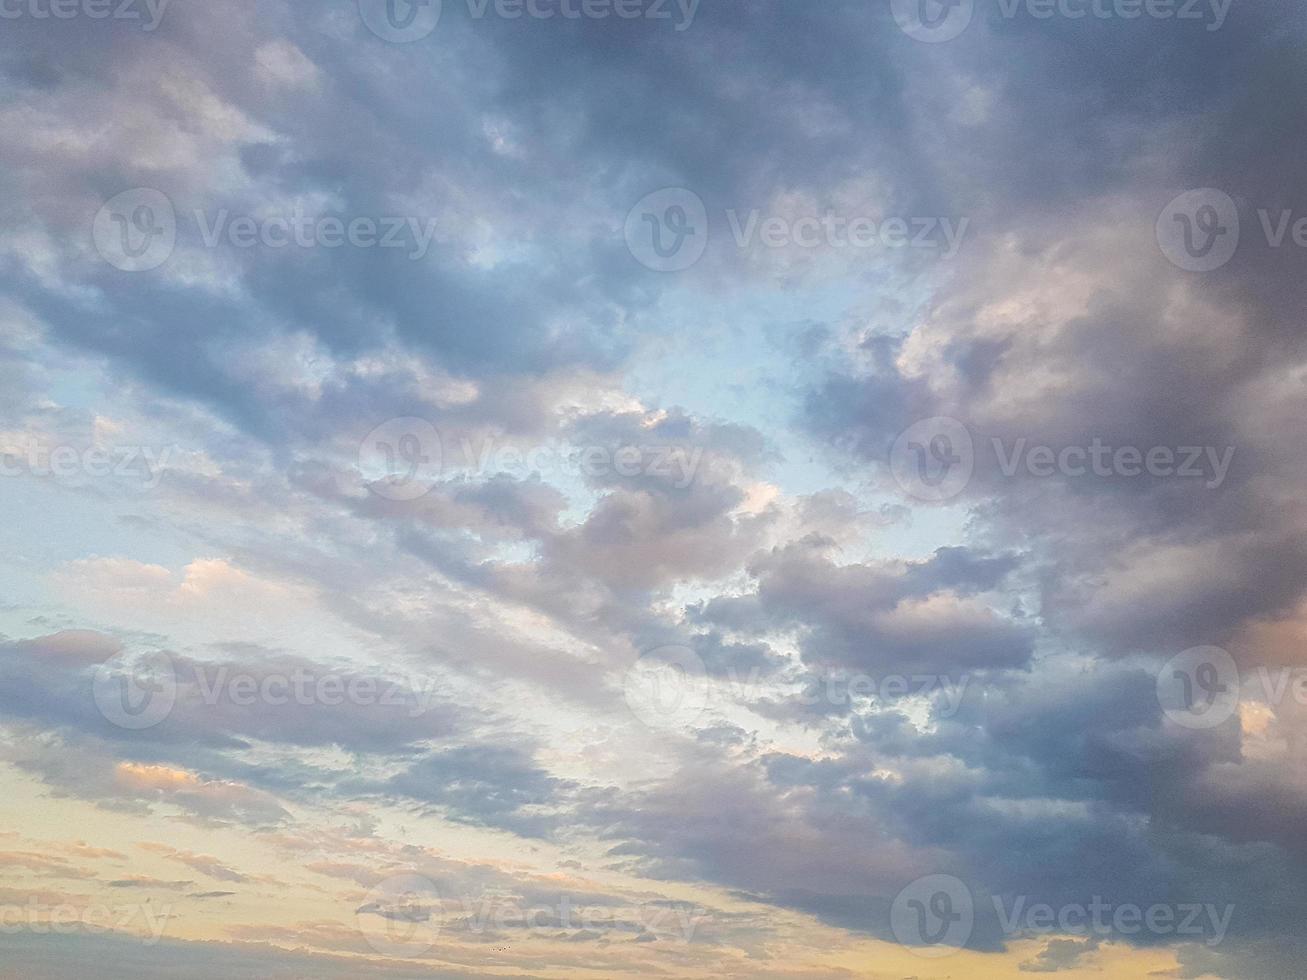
column 653, row 488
